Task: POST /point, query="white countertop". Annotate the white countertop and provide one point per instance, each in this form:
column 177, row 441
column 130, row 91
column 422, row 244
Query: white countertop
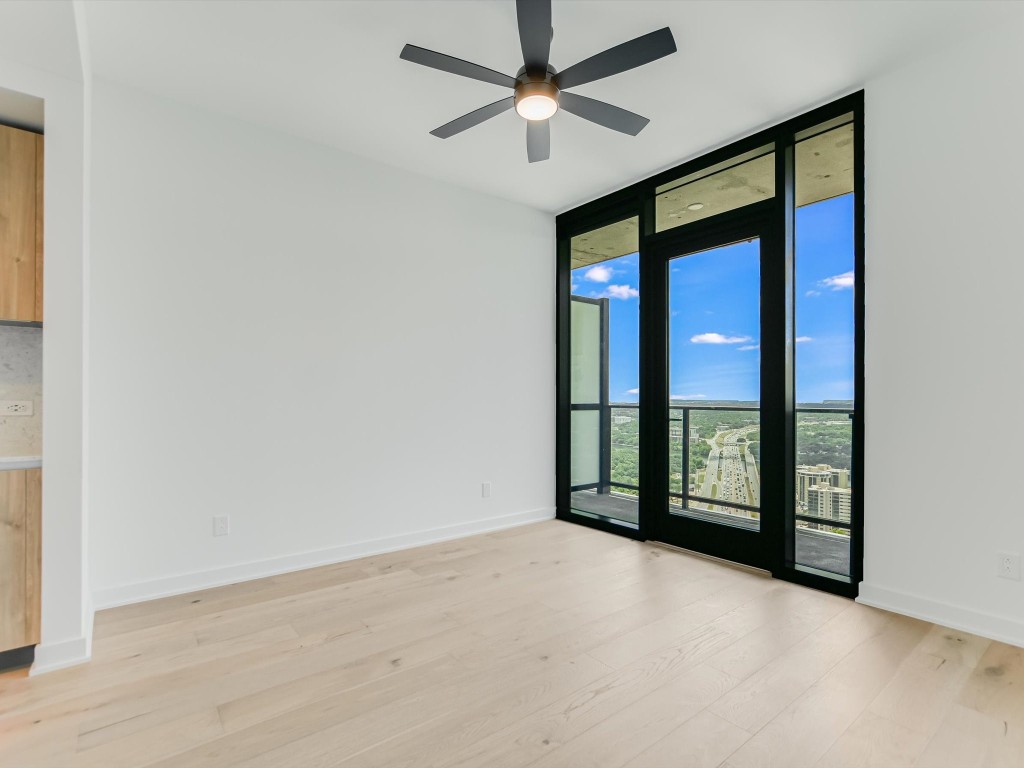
column 20, row 462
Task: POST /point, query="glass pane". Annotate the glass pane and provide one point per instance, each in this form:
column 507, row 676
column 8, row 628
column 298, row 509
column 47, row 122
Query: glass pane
column 680, row 475
column 714, row 379
column 626, row 448
column 605, row 322
column 585, row 324
column 824, row 441
column 824, row 357
column 585, row 446
column 713, row 191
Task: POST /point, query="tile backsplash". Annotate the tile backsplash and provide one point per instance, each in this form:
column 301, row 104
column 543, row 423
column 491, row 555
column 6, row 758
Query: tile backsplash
column 21, row 378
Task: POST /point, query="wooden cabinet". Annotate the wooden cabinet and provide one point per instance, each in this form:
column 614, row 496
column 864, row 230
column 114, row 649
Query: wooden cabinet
column 21, row 225
column 20, row 557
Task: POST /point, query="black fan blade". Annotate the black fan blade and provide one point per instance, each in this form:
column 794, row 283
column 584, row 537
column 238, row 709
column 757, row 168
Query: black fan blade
column 602, row 113
column 534, row 18
column 635, row 53
column 447, row 63
column 538, row 140
column 477, row 116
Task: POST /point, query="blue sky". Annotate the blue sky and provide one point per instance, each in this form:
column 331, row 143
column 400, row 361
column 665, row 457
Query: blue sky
column 714, row 329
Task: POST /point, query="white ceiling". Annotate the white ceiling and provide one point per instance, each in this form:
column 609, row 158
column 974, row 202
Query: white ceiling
column 330, row 72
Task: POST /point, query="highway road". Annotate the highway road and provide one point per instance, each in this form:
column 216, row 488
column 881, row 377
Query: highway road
column 732, row 474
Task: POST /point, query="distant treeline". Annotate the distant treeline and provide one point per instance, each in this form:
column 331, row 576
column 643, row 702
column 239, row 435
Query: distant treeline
column 821, row 439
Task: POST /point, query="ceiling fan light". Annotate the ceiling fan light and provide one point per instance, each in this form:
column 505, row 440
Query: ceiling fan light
column 536, row 100
column 536, row 107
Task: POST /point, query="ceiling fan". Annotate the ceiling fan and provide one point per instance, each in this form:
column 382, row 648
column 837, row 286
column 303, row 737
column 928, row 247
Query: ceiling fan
column 540, row 88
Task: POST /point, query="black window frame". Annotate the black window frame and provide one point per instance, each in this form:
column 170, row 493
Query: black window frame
column 638, row 199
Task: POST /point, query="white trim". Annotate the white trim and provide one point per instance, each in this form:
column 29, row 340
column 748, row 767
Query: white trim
column 66, row 653
column 125, row 594
column 988, row 625
column 89, row 619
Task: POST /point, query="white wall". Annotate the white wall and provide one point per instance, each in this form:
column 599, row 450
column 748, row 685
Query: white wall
column 66, row 608
column 945, row 265
column 333, row 352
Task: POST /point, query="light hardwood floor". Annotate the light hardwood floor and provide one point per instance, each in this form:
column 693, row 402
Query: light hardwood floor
column 549, row 645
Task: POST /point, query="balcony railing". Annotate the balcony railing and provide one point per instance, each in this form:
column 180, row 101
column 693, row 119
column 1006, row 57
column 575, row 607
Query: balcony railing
column 729, row 491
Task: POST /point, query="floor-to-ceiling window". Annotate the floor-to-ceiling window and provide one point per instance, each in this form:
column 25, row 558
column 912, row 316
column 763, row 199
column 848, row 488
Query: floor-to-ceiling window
column 605, row 372
column 726, row 297
column 824, row 354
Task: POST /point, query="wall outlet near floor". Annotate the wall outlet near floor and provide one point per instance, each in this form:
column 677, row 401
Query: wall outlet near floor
column 15, row 407
column 221, row 525
column 485, row 490
column 1008, row 565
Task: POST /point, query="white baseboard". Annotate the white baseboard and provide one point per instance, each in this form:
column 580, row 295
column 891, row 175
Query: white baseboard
column 988, row 625
column 66, row 653
column 125, row 594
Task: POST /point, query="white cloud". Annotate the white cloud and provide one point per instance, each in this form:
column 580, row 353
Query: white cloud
column 621, row 292
column 598, row 274
column 838, row 282
column 802, row 339
column 813, row 293
column 718, row 338
column 633, row 391
column 574, row 287
column 688, row 397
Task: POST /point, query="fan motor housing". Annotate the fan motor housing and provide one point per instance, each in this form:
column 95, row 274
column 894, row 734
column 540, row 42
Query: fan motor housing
column 533, row 84
column 535, row 75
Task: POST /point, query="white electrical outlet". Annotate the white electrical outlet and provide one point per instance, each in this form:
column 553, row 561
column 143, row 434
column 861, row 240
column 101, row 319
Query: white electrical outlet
column 1008, row 565
column 485, row 490
column 221, row 525
column 15, row 407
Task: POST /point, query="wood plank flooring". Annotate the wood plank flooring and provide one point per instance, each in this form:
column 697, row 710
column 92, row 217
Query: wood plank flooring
column 549, row 645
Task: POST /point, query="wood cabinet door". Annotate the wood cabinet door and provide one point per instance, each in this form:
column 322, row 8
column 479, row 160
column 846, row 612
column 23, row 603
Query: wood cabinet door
column 18, row 224
column 20, row 556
